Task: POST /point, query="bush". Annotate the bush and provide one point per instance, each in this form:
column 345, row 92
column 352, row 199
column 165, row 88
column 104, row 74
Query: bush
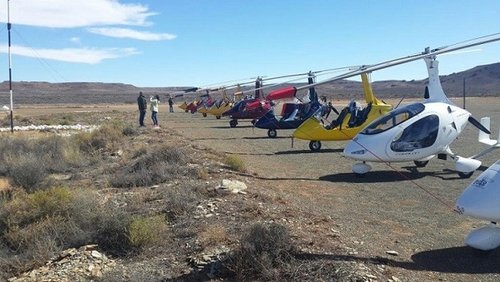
column 28, row 172
column 180, row 200
column 213, row 235
column 105, row 137
column 235, row 163
column 159, row 165
column 35, row 226
column 263, row 251
column 28, row 162
column 144, row 232
column 26, row 209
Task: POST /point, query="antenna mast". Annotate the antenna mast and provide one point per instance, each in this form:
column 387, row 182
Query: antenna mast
column 9, row 25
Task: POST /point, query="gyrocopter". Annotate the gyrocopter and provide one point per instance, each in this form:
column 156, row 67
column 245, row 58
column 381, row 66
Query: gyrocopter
column 292, row 114
column 419, row 131
column 349, row 122
column 482, row 197
column 249, row 107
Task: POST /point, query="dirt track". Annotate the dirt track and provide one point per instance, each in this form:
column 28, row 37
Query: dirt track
column 409, row 211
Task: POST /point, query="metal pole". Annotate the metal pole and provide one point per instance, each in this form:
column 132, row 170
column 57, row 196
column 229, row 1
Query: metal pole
column 9, row 25
column 464, row 91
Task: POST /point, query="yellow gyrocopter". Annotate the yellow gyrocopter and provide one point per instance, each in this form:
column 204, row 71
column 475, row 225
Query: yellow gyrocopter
column 220, row 105
column 349, row 122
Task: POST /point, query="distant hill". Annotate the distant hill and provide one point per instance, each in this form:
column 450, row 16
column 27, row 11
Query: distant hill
column 480, row 81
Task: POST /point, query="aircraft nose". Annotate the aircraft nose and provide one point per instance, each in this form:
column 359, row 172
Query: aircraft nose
column 354, row 150
column 480, row 200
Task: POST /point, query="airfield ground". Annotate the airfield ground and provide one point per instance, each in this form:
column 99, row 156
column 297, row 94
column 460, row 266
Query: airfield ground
column 399, row 222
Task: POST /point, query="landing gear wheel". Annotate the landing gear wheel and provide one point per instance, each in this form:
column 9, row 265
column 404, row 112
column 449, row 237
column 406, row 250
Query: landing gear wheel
column 217, row 117
column 315, row 146
column 233, row 123
column 465, row 174
column 420, row 163
column 254, row 121
column 186, row 111
column 272, row 133
column 204, row 114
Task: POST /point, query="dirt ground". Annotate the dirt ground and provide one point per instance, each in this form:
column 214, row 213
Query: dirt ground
column 398, row 208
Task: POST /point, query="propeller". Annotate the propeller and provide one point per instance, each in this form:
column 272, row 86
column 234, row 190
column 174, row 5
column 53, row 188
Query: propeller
column 479, row 126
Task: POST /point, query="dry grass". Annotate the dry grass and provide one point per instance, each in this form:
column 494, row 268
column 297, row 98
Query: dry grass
column 154, row 166
column 213, row 235
column 265, row 251
column 235, row 163
column 146, row 232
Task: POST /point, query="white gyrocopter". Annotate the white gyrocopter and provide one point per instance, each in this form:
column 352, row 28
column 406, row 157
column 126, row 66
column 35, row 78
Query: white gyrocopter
column 481, row 200
column 419, row 131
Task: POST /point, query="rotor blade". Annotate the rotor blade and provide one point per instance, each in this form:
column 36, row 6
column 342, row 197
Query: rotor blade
column 477, row 124
column 427, row 53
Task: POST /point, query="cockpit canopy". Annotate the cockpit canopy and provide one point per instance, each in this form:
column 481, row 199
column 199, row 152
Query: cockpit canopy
column 392, row 119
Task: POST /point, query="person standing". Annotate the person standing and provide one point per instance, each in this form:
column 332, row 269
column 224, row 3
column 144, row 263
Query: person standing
column 143, row 105
column 155, row 101
column 171, row 104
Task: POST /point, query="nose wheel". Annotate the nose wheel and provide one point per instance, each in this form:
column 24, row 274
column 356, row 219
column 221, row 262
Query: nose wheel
column 360, row 169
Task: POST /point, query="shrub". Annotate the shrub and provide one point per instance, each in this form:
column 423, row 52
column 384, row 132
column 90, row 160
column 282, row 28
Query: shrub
column 28, row 171
column 26, row 209
column 144, row 232
column 130, row 131
column 111, row 231
column 213, row 235
column 156, row 166
column 180, row 200
column 235, row 163
column 27, row 162
column 105, row 137
column 263, row 251
column 64, row 217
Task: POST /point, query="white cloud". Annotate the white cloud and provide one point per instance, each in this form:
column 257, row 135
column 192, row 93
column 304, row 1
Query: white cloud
column 130, row 33
column 76, row 13
column 72, row 55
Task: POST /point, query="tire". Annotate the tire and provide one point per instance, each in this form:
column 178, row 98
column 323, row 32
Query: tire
column 420, row 163
column 315, row 146
column 465, row 174
column 217, row 117
column 233, row 123
column 204, row 115
column 272, row 133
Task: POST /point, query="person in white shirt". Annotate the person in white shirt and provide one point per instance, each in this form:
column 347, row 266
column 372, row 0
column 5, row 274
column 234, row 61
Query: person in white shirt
column 155, row 101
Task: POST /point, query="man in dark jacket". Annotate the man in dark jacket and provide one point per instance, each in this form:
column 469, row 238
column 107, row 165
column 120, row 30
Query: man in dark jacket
column 143, row 104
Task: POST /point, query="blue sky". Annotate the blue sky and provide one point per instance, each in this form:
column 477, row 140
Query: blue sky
column 200, row 42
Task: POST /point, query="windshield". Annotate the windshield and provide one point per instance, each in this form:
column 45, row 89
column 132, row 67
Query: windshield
column 394, row 118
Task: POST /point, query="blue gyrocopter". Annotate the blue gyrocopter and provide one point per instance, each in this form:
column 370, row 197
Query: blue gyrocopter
column 292, row 114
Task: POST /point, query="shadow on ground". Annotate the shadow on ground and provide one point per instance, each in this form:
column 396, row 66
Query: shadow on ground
column 387, row 176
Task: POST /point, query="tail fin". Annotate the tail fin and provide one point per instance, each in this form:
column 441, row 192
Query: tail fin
column 485, row 137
